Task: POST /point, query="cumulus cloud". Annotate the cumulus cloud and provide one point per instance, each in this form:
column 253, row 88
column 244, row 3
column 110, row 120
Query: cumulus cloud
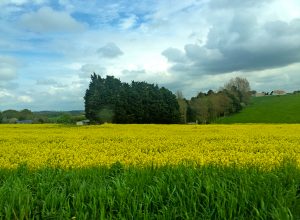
column 9, row 99
column 58, row 99
column 110, row 50
column 7, row 73
column 48, row 20
column 243, row 45
column 5, row 93
column 25, row 99
column 174, row 55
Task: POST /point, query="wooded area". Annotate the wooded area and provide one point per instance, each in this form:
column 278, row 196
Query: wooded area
column 207, row 107
column 110, row 100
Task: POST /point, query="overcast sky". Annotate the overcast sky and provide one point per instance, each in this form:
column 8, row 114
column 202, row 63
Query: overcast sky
column 49, row 48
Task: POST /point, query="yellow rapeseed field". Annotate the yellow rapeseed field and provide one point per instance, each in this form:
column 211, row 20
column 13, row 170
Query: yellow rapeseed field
column 142, row 145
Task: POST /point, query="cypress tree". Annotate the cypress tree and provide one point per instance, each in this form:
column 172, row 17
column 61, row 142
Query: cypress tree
column 110, row 100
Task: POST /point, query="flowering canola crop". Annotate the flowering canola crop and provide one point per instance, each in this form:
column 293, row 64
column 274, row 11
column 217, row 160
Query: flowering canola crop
column 72, row 147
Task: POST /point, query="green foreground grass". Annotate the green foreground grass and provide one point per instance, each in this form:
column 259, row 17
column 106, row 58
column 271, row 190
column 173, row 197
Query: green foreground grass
column 268, row 109
column 180, row 192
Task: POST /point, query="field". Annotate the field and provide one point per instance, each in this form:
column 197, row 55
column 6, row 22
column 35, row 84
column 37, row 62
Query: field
column 150, row 172
column 142, row 145
column 268, row 109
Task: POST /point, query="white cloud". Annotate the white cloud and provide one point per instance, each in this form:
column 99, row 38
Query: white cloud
column 25, row 99
column 8, row 70
column 5, row 93
column 7, row 73
column 285, row 10
column 48, row 20
column 283, row 78
column 129, row 22
column 243, row 42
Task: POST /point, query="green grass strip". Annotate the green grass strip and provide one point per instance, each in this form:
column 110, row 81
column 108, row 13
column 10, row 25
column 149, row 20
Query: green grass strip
column 169, row 192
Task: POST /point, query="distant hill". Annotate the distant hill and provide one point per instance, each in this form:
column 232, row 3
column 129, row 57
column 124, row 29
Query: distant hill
column 268, row 109
column 62, row 117
column 59, row 113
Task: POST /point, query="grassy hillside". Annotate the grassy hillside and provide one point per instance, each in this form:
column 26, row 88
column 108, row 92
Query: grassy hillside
column 268, row 109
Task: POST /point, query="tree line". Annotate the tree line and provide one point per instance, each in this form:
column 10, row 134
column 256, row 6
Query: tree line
column 207, row 107
column 11, row 116
column 110, row 100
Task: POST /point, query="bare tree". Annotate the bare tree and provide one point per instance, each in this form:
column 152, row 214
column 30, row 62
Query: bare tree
column 242, row 86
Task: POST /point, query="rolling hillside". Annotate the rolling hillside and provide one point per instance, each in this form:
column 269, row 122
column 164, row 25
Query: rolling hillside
column 268, row 109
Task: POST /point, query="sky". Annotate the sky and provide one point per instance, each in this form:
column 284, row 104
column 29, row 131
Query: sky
column 49, row 48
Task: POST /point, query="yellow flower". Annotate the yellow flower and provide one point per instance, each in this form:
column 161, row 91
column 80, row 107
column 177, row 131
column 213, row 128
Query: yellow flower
column 141, row 145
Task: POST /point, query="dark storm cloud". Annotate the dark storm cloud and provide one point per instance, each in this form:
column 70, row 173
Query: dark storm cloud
column 241, row 45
